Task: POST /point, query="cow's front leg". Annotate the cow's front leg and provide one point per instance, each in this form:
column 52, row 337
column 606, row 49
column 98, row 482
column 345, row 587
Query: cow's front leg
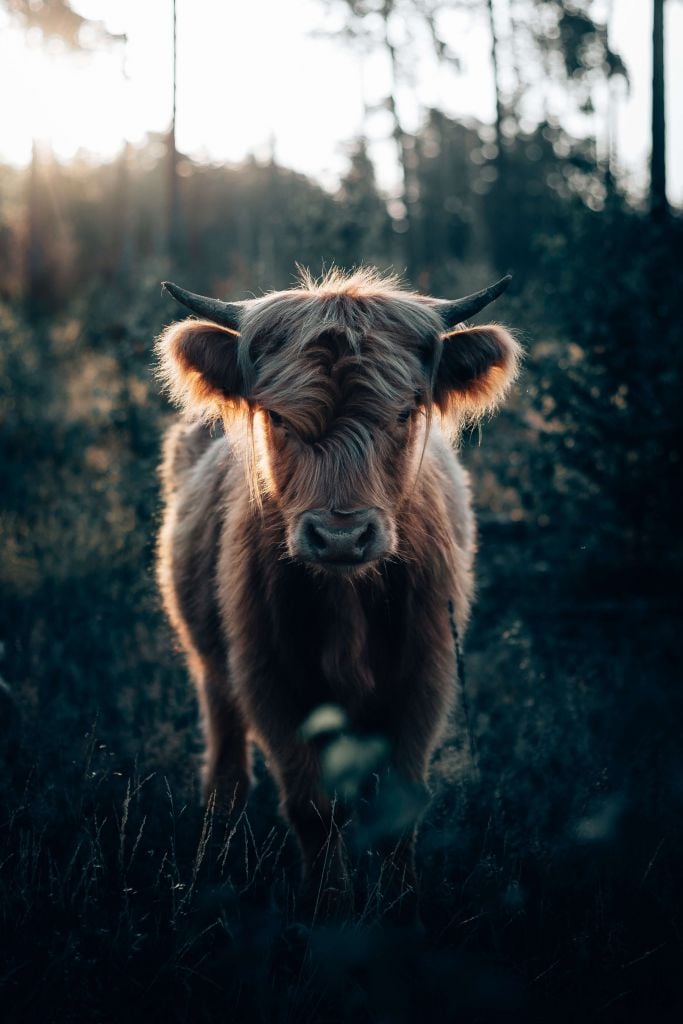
column 415, row 725
column 318, row 821
column 226, row 767
column 392, row 818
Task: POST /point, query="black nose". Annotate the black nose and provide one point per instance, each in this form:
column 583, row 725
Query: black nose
column 339, row 537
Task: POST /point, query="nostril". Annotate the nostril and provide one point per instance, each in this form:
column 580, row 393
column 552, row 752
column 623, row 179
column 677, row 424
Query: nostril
column 367, row 536
column 321, row 537
column 315, row 538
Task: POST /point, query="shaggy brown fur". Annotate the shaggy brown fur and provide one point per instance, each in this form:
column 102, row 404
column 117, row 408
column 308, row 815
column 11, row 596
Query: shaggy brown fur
column 341, row 394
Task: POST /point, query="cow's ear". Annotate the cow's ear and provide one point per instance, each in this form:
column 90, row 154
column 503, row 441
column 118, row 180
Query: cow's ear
column 199, row 366
column 476, row 368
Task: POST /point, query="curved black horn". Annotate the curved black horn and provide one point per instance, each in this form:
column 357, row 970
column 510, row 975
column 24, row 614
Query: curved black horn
column 225, row 313
column 453, row 313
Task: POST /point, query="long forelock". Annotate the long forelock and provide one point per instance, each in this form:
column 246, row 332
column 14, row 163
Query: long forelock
column 361, row 281
column 330, row 382
column 386, row 338
column 338, row 471
column 371, row 310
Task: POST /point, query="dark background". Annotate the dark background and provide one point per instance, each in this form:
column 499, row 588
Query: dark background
column 552, row 882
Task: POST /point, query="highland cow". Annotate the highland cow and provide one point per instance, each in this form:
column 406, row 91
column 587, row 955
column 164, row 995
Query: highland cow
column 317, row 546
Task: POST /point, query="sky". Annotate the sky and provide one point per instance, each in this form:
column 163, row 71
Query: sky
column 254, row 75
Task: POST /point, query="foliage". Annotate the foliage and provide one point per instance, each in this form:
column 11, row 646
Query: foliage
column 551, row 876
column 549, row 884
column 56, row 20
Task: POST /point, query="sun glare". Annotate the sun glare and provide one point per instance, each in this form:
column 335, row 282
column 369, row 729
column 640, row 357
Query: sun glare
column 77, row 103
column 253, row 75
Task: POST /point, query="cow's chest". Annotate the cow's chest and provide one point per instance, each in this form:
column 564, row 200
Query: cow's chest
column 342, row 642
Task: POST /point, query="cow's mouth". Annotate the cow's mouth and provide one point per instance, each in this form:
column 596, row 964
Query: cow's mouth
column 344, row 567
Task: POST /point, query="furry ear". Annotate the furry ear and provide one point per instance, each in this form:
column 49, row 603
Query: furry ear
column 477, row 366
column 199, row 366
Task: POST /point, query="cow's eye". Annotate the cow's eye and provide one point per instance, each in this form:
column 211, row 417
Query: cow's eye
column 275, row 418
column 404, row 416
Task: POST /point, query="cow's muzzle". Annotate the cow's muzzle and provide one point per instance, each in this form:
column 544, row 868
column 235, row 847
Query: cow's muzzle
column 339, row 539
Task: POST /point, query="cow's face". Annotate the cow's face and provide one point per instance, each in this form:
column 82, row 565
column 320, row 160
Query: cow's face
column 339, row 390
column 339, row 424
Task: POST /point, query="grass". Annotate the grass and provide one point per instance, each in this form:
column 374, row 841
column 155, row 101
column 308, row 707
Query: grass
column 549, row 885
column 550, row 882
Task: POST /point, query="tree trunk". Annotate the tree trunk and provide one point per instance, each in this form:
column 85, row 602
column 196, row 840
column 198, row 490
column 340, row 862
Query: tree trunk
column 495, row 64
column 408, row 185
column 38, row 283
column 124, row 247
column 173, row 198
column 501, row 209
column 658, row 202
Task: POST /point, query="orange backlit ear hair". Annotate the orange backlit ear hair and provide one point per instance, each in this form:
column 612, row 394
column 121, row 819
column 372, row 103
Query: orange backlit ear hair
column 198, row 364
column 477, row 366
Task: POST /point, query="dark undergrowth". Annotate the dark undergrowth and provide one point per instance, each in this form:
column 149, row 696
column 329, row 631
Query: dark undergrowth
column 551, row 883
column 550, row 880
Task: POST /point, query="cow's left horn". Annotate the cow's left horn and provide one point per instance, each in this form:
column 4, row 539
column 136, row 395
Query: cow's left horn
column 453, row 313
column 227, row 314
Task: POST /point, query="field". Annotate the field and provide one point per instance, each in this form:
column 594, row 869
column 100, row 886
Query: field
column 550, row 875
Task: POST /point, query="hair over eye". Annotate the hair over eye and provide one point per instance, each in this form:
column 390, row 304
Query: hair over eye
column 275, row 418
column 404, row 416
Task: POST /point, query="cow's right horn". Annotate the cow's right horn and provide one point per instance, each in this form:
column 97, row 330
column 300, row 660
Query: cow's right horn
column 227, row 314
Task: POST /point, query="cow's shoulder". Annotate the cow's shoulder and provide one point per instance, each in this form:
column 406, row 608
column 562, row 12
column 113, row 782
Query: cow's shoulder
column 453, row 481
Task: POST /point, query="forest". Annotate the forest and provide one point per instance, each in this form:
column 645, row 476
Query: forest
column 551, row 875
